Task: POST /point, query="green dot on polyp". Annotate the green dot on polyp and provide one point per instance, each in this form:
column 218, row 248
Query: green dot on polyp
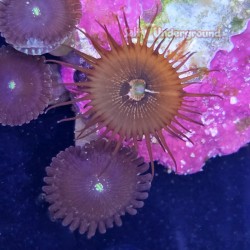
column 36, row 11
column 99, row 187
column 12, row 85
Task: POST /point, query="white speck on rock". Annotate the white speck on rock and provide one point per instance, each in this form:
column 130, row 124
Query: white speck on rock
column 189, row 144
column 233, row 100
column 213, row 131
column 183, row 162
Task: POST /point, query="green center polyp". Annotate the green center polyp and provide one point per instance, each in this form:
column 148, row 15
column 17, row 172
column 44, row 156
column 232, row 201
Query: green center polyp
column 36, row 11
column 99, row 187
column 12, row 85
column 137, row 90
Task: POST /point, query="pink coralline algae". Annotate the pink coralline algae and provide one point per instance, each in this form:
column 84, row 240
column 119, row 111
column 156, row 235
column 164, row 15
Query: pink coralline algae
column 226, row 120
column 105, row 11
